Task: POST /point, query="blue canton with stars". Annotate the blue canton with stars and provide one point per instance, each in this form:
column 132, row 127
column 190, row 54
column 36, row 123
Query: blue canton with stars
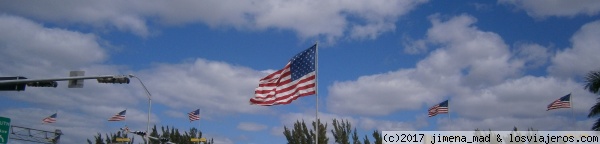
column 303, row 63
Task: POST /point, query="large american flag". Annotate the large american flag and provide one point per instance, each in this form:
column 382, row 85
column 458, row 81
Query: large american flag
column 194, row 115
column 296, row 79
column 438, row 109
column 118, row 117
column 562, row 102
column 50, row 119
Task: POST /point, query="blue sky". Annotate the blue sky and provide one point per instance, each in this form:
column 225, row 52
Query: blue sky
column 382, row 64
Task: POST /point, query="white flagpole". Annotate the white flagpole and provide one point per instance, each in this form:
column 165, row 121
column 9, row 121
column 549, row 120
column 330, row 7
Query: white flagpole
column 198, row 130
column 125, row 120
column 199, row 112
column 573, row 111
column 448, row 107
column 317, row 90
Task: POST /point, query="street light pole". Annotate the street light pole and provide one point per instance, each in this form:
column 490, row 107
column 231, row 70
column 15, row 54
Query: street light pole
column 149, row 106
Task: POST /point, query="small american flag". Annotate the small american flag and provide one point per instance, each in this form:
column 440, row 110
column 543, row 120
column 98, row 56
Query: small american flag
column 296, row 79
column 562, row 102
column 194, row 115
column 50, row 119
column 438, row 109
column 118, row 117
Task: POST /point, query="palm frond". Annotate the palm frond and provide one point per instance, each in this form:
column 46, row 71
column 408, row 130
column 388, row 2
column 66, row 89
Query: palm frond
column 592, row 82
column 596, row 126
column 595, row 110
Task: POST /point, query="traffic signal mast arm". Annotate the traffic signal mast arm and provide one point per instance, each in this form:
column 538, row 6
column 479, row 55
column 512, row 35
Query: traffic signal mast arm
column 101, row 79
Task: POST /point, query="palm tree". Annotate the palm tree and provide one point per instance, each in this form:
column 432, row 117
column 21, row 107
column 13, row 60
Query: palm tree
column 593, row 85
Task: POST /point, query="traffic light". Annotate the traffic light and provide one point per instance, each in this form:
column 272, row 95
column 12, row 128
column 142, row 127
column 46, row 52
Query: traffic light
column 12, row 87
column 141, row 133
column 164, row 140
column 114, row 80
column 43, row 84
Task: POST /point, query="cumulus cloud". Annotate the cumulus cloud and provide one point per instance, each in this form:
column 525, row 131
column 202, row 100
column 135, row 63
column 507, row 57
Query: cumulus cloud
column 36, row 51
column 526, row 98
column 383, row 125
column 204, row 84
column 248, row 126
column 482, row 57
column 534, row 55
column 364, row 123
column 194, row 84
column 329, row 19
column 381, row 94
column 558, row 8
column 468, row 58
column 480, row 75
column 76, row 127
column 175, row 114
column 550, row 123
column 28, row 46
column 414, row 46
column 581, row 57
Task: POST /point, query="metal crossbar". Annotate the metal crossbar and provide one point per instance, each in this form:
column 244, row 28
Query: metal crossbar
column 34, row 135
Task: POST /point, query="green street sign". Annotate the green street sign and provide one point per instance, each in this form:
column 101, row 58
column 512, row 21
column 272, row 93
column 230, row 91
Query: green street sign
column 4, row 129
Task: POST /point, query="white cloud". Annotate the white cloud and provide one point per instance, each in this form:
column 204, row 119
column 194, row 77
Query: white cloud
column 76, row 127
column 534, row 55
column 175, row 114
column 98, row 102
column 526, row 97
column 414, row 46
column 329, row 19
column 277, row 131
column 549, row 123
column 468, row 58
column 383, row 125
column 215, row 87
column 482, row 56
column 248, row 126
column 381, row 94
column 364, row 123
column 559, row 8
column 480, row 75
column 122, row 15
column 35, row 51
column 219, row 139
column 28, row 47
column 582, row 56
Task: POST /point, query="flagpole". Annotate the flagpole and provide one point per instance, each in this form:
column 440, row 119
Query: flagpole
column 55, row 112
column 573, row 112
column 317, row 90
column 448, row 107
column 198, row 129
column 55, row 118
column 125, row 120
column 199, row 112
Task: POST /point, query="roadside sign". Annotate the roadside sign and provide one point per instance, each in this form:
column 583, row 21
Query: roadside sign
column 123, row 140
column 76, row 83
column 4, row 129
column 198, row 139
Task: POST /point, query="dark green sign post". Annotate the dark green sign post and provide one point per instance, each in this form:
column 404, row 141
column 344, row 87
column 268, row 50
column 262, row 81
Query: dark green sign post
column 4, row 129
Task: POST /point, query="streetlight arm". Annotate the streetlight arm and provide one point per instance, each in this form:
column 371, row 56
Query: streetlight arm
column 149, row 105
column 147, row 92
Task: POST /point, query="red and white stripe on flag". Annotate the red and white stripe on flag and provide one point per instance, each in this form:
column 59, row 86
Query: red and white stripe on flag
column 296, row 79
